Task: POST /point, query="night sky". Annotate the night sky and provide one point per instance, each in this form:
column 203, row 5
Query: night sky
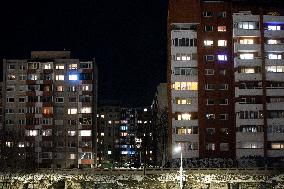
column 126, row 37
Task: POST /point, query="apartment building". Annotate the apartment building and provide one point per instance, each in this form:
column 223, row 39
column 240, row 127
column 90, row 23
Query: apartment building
column 50, row 107
column 225, row 79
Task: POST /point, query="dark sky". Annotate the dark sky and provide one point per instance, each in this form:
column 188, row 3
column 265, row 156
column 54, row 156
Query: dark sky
column 127, row 38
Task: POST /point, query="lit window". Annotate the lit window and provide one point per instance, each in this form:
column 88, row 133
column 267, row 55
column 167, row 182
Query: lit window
column 72, row 66
column 47, row 110
column 273, row 27
column 59, row 66
column 246, row 41
column 109, row 152
column 123, row 134
column 210, row 116
column 86, row 87
column 71, row 133
column 222, row 43
column 207, row 14
column 72, row 156
column 46, row 66
column 73, row 77
column 277, row 145
column 145, row 110
column 47, row 132
column 72, row 110
column 185, row 86
column 248, row 25
column 184, row 116
column 123, row 128
column 222, row 57
column 272, row 42
column 102, row 134
column 85, row 133
column 183, row 100
column 86, row 110
column 208, row 42
column 246, row 56
column 31, row 132
column 210, row 146
column 11, row 77
column 276, row 69
column 21, row 144
column 59, row 77
column 221, row 28
column 59, row 88
column 274, row 56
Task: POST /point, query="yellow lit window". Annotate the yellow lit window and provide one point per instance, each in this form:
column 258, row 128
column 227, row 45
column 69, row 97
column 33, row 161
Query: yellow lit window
column 246, row 41
column 221, row 28
column 185, row 86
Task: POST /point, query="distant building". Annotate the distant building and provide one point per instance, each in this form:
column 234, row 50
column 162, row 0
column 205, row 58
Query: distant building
column 50, row 104
column 226, row 78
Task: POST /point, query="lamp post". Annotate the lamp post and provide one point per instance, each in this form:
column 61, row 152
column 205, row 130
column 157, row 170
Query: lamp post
column 178, row 149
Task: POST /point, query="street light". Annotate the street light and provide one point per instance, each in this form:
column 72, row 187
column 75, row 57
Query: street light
column 178, row 149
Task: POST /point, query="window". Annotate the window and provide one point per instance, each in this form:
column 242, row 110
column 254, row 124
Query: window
column 73, row 77
column 59, row 99
column 185, row 86
column 224, row 146
column 33, row 65
column 59, row 66
column 193, row 146
column 59, row 88
column 47, row 132
column 183, row 57
column 86, row 65
column 251, row 128
column 224, row 101
column 46, row 66
column 271, row 27
column 223, row 116
column 72, row 99
column 250, row 145
column 210, row 116
column 208, row 28
column 72, row 110
column 277, row 145
column 208, row 42
column 210, row 146
column 31, row 132
column 210, row 101
column 10, row 88
column 246, row 56
column 72, row 66
column 71, row 133
column 207, row 14
column 22, row 77
column 72, row 88
column 86, row 87
column 72, row 156
column 9, row 111
column 10, row 99
column 223, row 86
column 222, row 72
column 9, row 122
column 273, row 41
column 85, row 133
column 22, row 99
column 221, row 28
column 179, row 100
column 210, row 131
column 209, row 71
column 184, row 116
column 221, row 14
column 59, row 77
column 86, row 110
column 209, row 57
column 222, row 57
column 274, row 56
column 222, row 43
column 11, row 77
column 248, row 25
column 187, row 130
column 246, row 41
column 11, row 66
column 209, row 86
column 47, row 110
column 184, row 42
column 185, row 71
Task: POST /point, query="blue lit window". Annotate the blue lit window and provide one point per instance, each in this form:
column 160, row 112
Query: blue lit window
column 123, row 128
column 271, row 27
column 73, row 77
column 222, row 57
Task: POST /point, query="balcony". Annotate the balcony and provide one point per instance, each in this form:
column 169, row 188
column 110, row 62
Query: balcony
column 247, row 62
column 182, row 123
column 247, row 92
column 274, row 92
column 184, row 78
column 247, row 47
column 248, row 121
column 275, row 121
column 274, row 47
column 275, row 136
column 275, row 106
column 273, row 19
column 189, row 138
column 242, row 136
column 242, row 32
column 185, row 108
column 274, row 62
column 275, row 153
column 237, row 17
column 247, row 77
column 249, row 152
column 186, row 63
column 274, row 33
column 183, row 49
column 274, row 76
column 184, row 93
column 239, row 107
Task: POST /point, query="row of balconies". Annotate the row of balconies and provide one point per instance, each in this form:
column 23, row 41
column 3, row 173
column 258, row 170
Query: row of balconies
column 256, row 33
column 257, row 47
column 258, row 76
column 258, row 92
column 257, row 62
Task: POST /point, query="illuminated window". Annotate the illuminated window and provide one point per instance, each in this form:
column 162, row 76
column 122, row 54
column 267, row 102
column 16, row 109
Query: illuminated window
column 59, row 77
column 85, row 133
column 86, row 87
column 222, row 43
column 59, row 66
column 183, row 100
column 123, row 128
column 11, row 77
column 273, row 41
column 187, row 130
column 210, row 146
column 208, row 42
column 248, row 25
column 59, row 88
column 73, row 77
column 182, row 57
column 71, row 133
column 273, row 27
column 72, row 110
column 222, row 57
column 108, row 152
column 123, row 134
column 33, row 65
column 210, row 116
column 72, row 66
column 21, row 144
column 246, row 41
column 47, row 110
column 185, row 86
column 72, row 156
column 184, row 116
column 276, row 145
column 274, row 56
column 31, row 132
column 221, row 28
column 86, row 110
column 47, row 132
column 276, row 69
column 221, row 14
column 246, row 56
column 47, row 66
column 33, row 77
column 251, row 145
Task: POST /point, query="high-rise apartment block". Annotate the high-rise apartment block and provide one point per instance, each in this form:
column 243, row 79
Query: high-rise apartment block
column 226, row 79
column 50, row 109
